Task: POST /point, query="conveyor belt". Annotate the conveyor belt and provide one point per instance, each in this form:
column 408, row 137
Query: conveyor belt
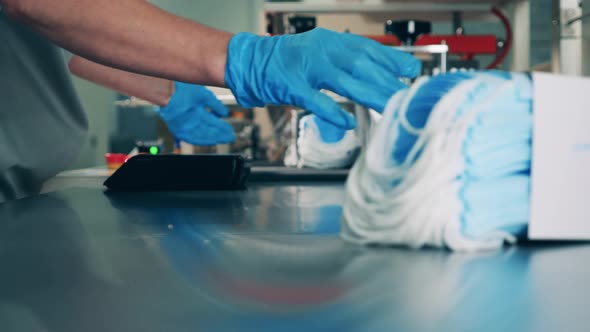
column 264, row 259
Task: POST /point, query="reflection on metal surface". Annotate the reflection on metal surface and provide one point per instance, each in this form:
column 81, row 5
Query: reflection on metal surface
column 557, row 279
column 442, row 50
column 301, row 209
column 432, row 49
column 114, row 264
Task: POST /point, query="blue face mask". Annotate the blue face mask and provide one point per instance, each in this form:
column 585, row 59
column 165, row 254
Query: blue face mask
column 459, row 173
column 497, row 151
column 418, row 111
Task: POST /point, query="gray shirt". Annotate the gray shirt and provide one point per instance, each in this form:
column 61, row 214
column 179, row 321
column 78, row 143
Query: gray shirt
column 42, row 124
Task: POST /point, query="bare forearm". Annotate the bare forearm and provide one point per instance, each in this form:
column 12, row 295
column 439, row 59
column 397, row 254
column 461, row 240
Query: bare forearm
column 152, row 89
column 131, row 35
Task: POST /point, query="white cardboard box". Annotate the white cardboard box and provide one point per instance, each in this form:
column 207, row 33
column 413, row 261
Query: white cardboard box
column 560, row 189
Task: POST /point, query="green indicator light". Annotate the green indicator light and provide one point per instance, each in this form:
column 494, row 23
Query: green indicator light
column 154, row 150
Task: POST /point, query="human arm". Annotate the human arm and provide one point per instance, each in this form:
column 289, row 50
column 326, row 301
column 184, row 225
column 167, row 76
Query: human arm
column 285, row 70
column 191, row 112
column 155, row 90
column 131, row 35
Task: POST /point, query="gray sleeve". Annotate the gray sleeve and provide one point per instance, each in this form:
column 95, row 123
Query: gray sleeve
column 67, row 55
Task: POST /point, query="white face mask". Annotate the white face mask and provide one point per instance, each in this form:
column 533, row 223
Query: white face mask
column 327, row 147
column 434, row 164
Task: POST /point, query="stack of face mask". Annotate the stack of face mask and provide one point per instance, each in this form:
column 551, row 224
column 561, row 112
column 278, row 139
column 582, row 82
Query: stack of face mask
column 322, row 145
column 447, row 166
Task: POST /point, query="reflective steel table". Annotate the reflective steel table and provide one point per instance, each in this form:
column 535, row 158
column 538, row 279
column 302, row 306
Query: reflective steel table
column 265, row 259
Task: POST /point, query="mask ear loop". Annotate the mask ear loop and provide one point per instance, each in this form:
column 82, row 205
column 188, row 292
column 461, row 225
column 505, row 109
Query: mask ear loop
column 380, row 141
column 454, row 139
column 396, row 204
column 417, row 236
column 366, row 179
column 364, row 190
column 387, row 133
column 426, row 182
column 433, row 139
column 398, row 197
column 403, row 111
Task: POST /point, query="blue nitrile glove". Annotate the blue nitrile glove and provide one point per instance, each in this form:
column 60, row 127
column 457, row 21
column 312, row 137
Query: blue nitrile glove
column 291, row 69
column 189, row 120
column 329, row 133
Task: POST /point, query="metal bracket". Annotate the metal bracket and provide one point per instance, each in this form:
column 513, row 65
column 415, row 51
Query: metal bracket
column 571, row 25
column 567, row 37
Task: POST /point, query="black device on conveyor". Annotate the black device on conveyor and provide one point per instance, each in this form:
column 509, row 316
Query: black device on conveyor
column 180, row 172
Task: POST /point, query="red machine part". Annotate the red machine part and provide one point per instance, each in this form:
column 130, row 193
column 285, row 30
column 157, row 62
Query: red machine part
column 462, row 44
column 508, row 43
column 466, row 45
column 115, row 160
column 389, row 40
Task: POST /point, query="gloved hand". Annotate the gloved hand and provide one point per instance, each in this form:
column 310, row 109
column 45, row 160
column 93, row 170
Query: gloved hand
column 291, row 69
column 329, row 133
column 189, row 120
